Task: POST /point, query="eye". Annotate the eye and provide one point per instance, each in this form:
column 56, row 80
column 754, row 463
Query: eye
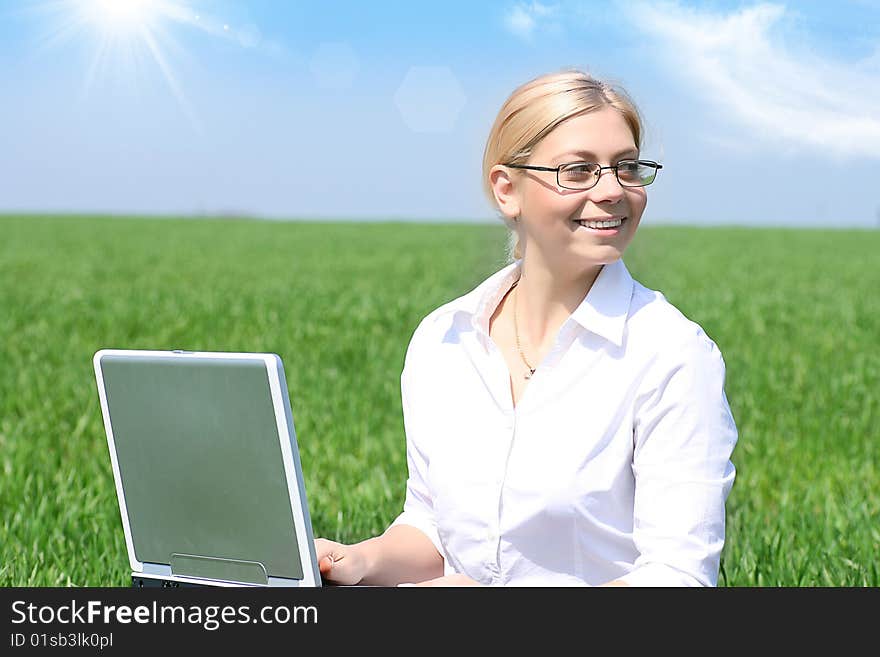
column 636, row 173
column 578, row 171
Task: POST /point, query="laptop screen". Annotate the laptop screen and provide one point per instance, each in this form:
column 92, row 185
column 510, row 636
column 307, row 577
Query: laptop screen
column 201, row 466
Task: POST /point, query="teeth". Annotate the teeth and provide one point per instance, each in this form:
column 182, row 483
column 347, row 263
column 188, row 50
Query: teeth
column 601, row 224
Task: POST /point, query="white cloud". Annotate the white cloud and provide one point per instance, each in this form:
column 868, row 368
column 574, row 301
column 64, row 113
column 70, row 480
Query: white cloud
column 782, row 91
column 524, row 18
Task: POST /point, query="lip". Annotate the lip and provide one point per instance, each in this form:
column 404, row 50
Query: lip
column 606, row 232
column 611, row 218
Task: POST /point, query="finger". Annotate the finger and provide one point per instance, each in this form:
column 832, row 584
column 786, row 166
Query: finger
column 325, row 564
column 324, row 549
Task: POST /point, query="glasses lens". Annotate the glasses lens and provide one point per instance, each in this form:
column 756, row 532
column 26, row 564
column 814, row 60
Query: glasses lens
column 579, row 175
column 635, row 173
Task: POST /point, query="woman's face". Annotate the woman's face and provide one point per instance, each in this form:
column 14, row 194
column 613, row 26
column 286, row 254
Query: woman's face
column 548, row 214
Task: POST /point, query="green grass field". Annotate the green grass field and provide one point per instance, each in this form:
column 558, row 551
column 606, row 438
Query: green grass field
column 796, row 314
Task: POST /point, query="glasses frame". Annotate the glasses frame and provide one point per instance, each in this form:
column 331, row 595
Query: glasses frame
column 657, row 166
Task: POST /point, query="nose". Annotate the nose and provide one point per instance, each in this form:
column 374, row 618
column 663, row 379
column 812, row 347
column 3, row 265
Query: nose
column 608, row 187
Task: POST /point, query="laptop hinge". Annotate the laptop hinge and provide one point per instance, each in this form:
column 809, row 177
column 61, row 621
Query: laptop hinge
column 230, row 570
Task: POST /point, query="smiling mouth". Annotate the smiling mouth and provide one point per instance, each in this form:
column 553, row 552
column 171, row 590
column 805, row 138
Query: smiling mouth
column 601, row 225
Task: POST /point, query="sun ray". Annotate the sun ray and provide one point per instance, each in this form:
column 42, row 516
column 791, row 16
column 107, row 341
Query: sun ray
column 172, row 81
column 123, row 34
column 91, row 74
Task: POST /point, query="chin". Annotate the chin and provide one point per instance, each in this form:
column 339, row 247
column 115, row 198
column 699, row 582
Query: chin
column 600, row 251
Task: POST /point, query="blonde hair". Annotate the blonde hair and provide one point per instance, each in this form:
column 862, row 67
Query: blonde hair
column 537, row 107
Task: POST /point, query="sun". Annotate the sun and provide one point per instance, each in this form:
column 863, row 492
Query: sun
column 120, row 18
column 122, row 35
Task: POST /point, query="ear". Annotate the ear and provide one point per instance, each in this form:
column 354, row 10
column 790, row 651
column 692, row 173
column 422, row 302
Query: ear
column 504, row 189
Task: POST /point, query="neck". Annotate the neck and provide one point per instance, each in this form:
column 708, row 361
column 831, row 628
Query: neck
column 547, row 296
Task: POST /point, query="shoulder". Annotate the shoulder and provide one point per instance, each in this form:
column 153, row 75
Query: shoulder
column 444, row 323
column 432, row 327
column 681, row 368
column 660, row 330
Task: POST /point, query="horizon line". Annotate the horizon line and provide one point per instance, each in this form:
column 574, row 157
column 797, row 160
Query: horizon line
column 319, row 219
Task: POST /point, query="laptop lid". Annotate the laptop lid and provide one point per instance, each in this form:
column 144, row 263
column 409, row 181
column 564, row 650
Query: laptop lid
column 206, row 466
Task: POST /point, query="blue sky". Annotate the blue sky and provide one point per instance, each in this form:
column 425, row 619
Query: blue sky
column 762, row 113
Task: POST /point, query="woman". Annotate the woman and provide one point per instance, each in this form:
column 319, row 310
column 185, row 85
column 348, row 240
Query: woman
column 564, row 424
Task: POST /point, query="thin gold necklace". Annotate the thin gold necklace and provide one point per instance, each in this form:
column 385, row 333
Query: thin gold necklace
column 516, row 332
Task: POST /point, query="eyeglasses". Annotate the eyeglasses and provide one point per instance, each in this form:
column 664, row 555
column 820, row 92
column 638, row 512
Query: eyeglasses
column 584, row 175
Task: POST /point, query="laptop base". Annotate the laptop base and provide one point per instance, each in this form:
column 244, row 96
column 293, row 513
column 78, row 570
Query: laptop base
column 140, row 582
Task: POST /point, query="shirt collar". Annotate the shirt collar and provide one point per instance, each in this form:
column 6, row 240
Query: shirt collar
column 482, row 301
column 603, row 311
column 606, row 306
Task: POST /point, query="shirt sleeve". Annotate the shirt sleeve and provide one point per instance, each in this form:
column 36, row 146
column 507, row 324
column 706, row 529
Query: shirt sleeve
column 684, row 434
column 418, row 506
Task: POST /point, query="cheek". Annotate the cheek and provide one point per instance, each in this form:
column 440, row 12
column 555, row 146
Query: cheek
column 637, row 200
column 562, row 205
column 546, row 207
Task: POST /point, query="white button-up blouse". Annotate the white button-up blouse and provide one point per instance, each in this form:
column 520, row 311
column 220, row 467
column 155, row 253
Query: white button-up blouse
column 615, row 463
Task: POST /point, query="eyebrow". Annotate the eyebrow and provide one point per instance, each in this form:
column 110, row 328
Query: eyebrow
column 589, row 154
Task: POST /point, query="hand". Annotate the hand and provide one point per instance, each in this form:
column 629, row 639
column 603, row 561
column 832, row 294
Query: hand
column 450, row 580
column 338, row 563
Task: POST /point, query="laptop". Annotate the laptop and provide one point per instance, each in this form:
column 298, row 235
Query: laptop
column 207, row 469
